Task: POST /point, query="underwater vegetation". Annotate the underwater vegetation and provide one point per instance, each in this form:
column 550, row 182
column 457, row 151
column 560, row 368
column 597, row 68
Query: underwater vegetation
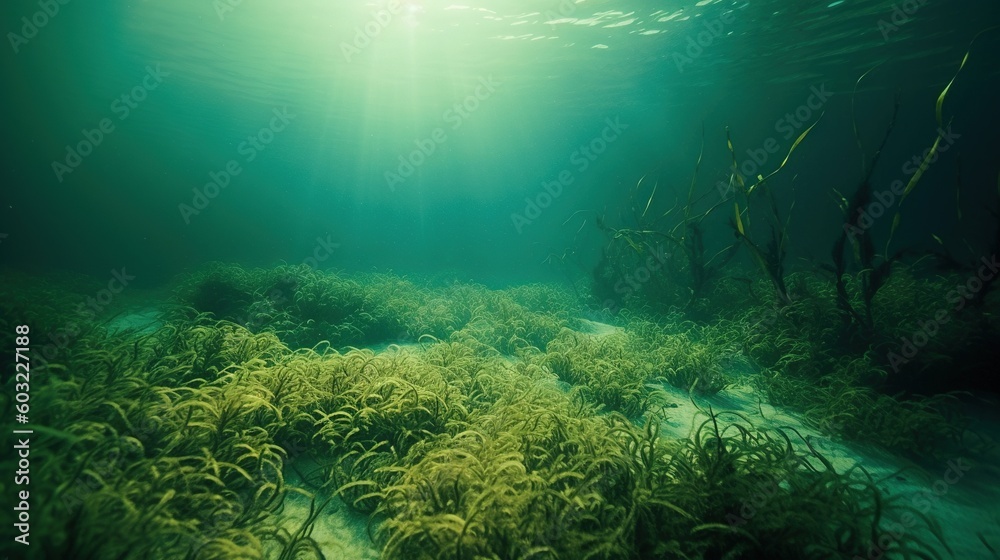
column 506, row 429
column 471, row 423
column 877, row 344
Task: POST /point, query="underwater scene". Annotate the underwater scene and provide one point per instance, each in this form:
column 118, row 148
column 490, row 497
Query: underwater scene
column 500, row 280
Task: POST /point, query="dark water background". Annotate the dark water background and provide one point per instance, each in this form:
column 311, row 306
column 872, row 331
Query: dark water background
column 560, row 73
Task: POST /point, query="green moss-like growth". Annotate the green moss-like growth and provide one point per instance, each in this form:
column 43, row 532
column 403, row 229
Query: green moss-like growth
column 177, row 442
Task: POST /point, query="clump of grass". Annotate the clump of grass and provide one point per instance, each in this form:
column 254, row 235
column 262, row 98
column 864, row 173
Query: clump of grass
column 603, row 368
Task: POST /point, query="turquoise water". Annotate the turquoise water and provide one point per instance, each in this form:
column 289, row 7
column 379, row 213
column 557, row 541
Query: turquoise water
column 559, row 71
column 548, row 279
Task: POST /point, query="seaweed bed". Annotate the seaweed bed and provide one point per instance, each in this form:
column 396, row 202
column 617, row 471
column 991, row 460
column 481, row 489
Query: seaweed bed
column 293, row 413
